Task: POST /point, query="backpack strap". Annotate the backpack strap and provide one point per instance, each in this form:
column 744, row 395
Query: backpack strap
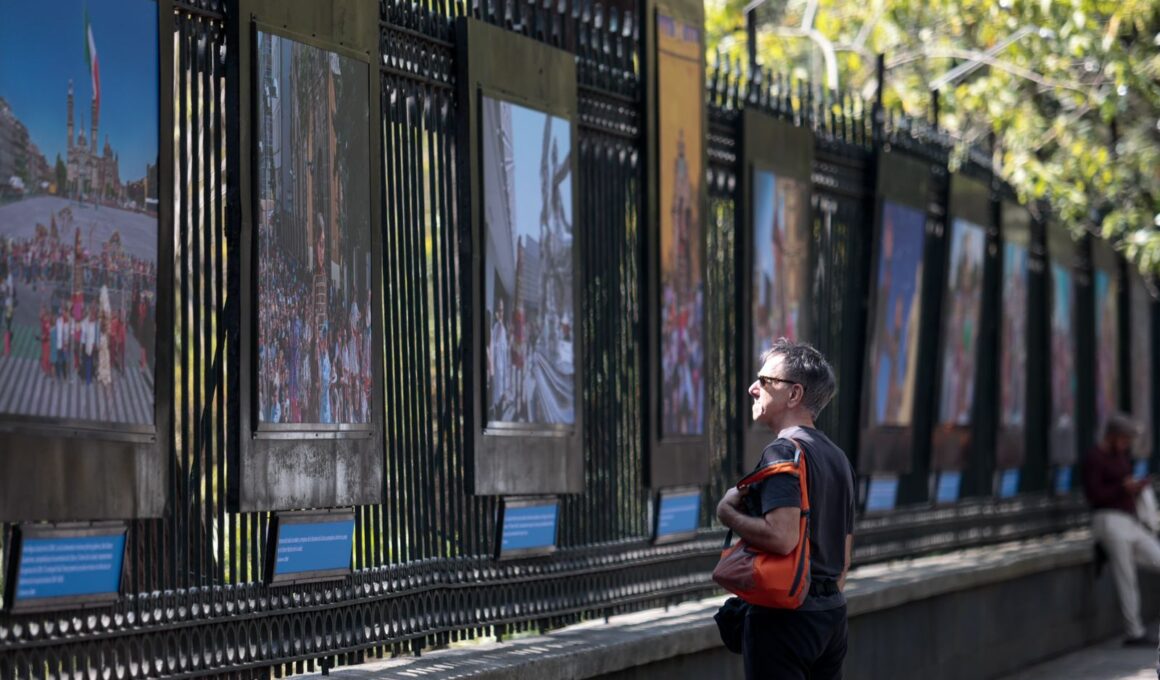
column 795, row 467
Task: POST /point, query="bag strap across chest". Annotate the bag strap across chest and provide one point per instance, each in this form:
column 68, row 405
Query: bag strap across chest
column 795, row 467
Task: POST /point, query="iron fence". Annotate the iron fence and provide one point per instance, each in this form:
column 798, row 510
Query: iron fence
column 423, row 573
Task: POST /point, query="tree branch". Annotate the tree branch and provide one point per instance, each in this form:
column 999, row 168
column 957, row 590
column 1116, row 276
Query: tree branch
column 1012, row 69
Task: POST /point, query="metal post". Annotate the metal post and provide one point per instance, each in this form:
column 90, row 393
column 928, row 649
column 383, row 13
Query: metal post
column 751, row 37
column 877, row 110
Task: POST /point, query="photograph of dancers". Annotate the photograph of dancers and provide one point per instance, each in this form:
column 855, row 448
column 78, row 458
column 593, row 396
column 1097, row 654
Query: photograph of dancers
column 78, row 210
column 781, row 277
column 529, row 278
column 894, row 351
column 962, row 305
column 682, row 361
column 315, row 270
column 1013, row 346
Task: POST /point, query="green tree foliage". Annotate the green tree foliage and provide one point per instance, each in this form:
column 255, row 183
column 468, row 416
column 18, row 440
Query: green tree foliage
column 1071, row 88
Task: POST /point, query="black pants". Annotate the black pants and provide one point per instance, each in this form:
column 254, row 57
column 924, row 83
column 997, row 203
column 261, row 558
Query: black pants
column 791, row 644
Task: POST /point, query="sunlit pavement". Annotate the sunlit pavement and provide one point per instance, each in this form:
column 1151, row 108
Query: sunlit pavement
column 1107, row 661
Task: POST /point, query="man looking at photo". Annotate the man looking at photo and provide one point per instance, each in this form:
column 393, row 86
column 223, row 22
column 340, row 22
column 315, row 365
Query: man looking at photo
column 793, row 386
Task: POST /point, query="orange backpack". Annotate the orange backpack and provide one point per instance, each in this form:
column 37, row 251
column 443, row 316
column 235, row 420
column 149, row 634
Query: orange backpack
column 776, row 581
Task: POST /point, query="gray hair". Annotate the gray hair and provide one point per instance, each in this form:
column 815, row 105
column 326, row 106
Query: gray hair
column 806, row 366
column 1120, row 423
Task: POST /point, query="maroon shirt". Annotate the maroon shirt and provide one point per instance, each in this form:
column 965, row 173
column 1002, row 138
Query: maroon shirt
column 1103, row 481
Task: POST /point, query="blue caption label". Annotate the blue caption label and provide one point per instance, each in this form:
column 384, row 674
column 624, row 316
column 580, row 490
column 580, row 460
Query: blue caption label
column 882, row 494
column 69, row 567
column 529, row 527
column 1063, row 479
column 1009, row 483
column 678, row 513
column 949, row 484
column 313, row 546
column 1140, row 469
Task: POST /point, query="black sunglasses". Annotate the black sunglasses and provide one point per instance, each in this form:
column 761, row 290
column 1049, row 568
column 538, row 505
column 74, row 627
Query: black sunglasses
column 766, row 380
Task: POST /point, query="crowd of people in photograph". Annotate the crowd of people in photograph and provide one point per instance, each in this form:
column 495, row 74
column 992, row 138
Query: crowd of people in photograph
column 961, row 324
column 530, row 362
column 681, row 324
column 315, row 358
column 89, row 304
column 681, row 307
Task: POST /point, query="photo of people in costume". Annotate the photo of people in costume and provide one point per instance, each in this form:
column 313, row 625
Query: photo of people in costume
column 1013, row 344
column 1063, row 376
column 781, row 277
column 315, row 271
column 1107, row 344
column 529, row 277
column 682, row 360
column 962, row 303
column 78, row 210
column 894, row 345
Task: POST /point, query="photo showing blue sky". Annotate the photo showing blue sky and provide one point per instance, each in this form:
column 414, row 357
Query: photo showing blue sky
column 763, row 210
column 42, row 47
column 528, row 125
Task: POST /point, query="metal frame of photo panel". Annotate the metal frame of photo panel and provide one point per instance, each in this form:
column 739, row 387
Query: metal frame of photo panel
column 889, row 449
column 60, row 469
column 673, row 460
column 502, row 65
column 1012, row 443
column 343, row 462
column 1062, row 250
column 952, row 444
column 786, row 150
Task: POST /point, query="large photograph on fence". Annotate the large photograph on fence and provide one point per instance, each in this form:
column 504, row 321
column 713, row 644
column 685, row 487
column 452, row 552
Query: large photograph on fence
column 1107, row 346
column 1062, row 434
column 315, row 353
column 78, row 210
column 894, row 346
column 682, row 357
column 528, row 266
column 781, row 277
column 1013, row 344
column 962, row 305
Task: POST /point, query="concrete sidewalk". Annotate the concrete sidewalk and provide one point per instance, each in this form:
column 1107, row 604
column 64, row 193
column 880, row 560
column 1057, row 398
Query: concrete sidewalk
column 1107, row 661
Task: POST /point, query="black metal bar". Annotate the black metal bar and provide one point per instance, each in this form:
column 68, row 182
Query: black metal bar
column 181, row 491
column 192, row 334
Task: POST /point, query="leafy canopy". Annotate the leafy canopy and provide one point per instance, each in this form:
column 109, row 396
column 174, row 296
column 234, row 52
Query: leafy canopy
column 1070, row 89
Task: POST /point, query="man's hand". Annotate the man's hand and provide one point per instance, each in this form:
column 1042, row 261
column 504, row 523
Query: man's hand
column 731, row 504
column 1135, row 486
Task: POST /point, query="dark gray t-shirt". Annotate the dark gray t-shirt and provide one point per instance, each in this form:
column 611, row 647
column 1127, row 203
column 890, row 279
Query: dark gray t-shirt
column 831, row 481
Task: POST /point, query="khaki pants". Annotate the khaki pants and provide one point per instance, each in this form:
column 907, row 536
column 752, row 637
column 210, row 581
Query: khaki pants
column 1127, row 543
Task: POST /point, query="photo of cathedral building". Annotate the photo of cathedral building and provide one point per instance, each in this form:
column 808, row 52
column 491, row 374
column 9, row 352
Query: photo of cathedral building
column 91, row 174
